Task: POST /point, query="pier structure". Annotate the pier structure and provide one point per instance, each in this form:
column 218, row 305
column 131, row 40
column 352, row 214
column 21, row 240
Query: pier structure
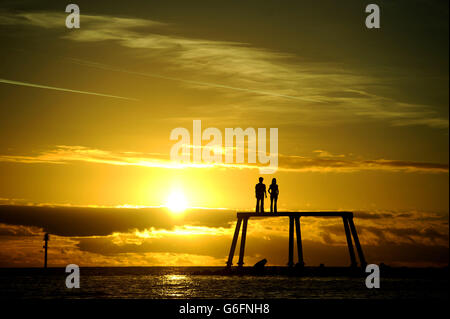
column 294, row 219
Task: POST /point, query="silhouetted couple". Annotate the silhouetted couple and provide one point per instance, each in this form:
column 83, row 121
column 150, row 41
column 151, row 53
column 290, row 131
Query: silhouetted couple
column 260, row 192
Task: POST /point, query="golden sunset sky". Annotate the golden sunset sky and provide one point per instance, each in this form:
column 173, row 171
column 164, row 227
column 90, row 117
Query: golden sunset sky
column 86, row 115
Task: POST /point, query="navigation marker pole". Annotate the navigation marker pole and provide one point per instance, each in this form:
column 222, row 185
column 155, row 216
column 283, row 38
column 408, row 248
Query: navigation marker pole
column 45, row 247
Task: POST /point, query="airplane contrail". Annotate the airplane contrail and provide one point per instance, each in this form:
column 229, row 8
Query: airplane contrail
column 63, row 89
column 109, row 68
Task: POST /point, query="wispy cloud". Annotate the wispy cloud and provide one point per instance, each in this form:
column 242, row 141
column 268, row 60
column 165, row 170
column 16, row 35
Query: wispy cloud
column 321, row 92
column 323, row 163
column 196, row 83
column 339, row 164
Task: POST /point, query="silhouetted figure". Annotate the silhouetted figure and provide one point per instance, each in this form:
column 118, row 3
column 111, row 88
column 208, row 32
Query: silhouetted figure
column 45, row 247
column 260, row 193
column 273, row 191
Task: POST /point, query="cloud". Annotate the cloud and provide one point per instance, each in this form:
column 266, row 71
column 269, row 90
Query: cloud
column 339, row 164
column 386, row 228
column 172, row 243
column 27, row 252
column 322, row 153
column 323, row 163
column 388, row 235
column 90, row 221
column 191, row 82
column 52, row 20
column 315, row 92
column 64, row 153
column 120, row 237
column 18, row 230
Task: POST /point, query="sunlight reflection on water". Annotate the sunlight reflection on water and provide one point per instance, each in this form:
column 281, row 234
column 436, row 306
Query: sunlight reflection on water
column 175, row 283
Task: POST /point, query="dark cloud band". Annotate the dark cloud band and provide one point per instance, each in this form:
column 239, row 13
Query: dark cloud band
column 89, row 221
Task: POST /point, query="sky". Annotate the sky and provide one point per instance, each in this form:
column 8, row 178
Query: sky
column 86, row 116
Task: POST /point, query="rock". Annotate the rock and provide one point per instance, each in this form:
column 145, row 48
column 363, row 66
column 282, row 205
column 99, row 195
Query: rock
column 260, row 264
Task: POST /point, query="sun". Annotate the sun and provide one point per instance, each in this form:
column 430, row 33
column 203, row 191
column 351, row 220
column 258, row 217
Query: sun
column 176, row 202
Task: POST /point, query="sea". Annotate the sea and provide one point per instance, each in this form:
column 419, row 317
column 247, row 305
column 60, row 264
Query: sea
column 204, row 283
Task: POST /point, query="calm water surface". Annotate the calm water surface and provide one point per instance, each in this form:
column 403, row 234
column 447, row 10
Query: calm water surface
column 181, row 282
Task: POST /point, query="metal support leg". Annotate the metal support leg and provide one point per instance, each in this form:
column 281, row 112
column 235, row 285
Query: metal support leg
column 291, row 242
column 349, row 242
column 299, row 242
column 242, row 248
column 233, row 243
column 362, row 260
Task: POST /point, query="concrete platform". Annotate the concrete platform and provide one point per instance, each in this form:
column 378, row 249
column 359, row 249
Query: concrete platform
column 296, row 214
